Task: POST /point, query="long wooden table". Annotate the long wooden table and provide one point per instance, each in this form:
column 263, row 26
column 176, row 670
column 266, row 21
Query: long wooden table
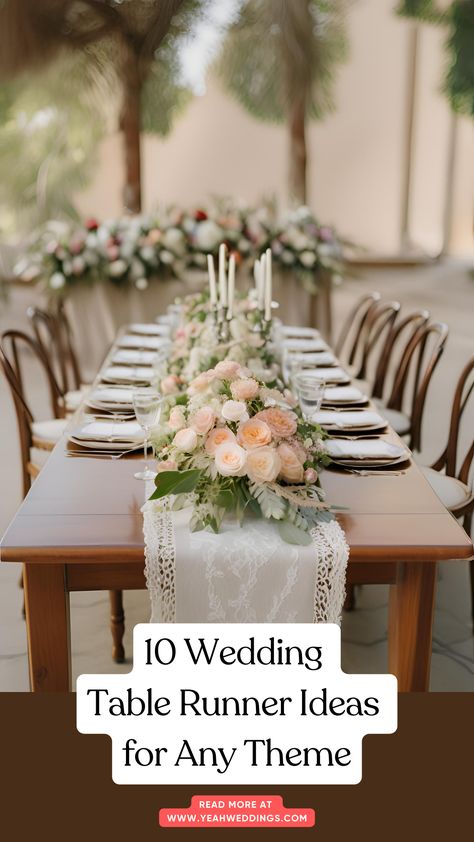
column 80, row 528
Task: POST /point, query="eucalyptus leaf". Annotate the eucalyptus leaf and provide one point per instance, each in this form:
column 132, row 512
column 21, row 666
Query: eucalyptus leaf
column 292, row 534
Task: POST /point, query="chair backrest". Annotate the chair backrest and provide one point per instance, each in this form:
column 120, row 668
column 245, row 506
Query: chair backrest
column 377, row 328
column 449, row 458
column 15, row 345
column 54, row 335
column 417, row 364
column 24, row 419
column 402, row 331
column 352, row 331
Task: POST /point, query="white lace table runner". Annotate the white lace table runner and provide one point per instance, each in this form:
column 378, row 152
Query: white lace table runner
column 241, row 575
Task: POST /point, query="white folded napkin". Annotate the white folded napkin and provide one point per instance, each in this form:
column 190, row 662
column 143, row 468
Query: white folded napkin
column 304, row 345
column 127, row 431
column 149, row 329
column 361, row 418
column 299, row 332
column 334, row 374
column 126, row 374
column 341, row 394
column 363, row 449
column 317, row 358
column 112, row 395
column 129, row 357
column 149, row 343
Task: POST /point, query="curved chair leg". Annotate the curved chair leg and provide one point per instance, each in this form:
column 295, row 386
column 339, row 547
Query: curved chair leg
column 117, row 625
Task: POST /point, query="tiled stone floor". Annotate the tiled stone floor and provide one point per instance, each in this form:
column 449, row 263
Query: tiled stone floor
column 448, row 291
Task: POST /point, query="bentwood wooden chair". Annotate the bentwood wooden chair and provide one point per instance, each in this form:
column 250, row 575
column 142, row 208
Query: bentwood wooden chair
column 371, row 333
column 401, row 334
column 412, row 377
column 54, row 335
column 450, row 477
column 349, row 342
column 38, row 438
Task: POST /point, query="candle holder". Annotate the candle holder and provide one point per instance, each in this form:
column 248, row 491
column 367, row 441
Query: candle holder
column 223, row 329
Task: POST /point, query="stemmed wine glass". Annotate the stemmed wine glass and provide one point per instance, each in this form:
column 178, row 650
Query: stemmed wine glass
column 147, row 406
column 310, row 390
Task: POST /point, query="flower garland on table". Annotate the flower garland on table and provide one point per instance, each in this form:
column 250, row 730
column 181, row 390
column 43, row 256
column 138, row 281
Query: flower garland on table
column 132, row 250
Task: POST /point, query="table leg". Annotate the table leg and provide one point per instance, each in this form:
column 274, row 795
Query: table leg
column 411, row 612
column 47, row 618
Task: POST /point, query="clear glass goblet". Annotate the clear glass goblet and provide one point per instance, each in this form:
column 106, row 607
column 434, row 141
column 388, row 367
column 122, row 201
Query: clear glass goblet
column 310, row 391
column 147, row 406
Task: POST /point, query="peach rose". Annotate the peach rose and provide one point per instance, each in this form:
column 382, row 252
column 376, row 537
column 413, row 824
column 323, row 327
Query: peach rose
column 169, row 385
column 227, row 370
column 203, row 420
column 282, row 422
column 218, row 436
column 177, row 420
column 200, row 383
column 230, row 459
column 244, row 390
column 167, row 465
column 254, row 433
column 235, row 411
column 186, row 440
column 263, row 464
column 291, row 468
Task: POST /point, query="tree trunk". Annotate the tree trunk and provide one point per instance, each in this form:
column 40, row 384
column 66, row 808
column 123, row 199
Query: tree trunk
column 298, row 154
column 130, row 128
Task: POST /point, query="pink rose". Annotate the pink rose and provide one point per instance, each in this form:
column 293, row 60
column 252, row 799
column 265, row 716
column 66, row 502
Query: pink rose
column 263, row 464
column 186, row 440
column 167, row 465
column 235, row 411
column 282, row 422
column 177, row 420
column 254, row 433
column 244, row 390
column 227, row 370
column 203, row 420
column 291, row 468
column 216, row 437
column 169, row 385
column 310, row 476
column 230, row 459
column 200, row 383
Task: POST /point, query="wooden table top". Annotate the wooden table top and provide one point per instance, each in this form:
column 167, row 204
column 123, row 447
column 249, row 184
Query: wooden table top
column 87, row 510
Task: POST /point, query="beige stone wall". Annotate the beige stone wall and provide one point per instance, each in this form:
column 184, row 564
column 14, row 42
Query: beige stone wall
column 357, row 156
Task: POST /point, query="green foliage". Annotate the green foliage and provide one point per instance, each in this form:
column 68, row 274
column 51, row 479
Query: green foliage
column 175, row 482
column 277, row 51
column 293, row 534
column 458, row 19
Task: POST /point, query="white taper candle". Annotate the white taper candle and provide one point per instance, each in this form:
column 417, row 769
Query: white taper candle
column 261, row 282
column 268, row 285
column 231, row 287
column 222, row 277
column 212, row 280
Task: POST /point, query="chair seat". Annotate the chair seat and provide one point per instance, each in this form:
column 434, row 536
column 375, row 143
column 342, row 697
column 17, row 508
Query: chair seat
column 399, row 421
column 73, row 400
column 451, row 491
column 49, row 431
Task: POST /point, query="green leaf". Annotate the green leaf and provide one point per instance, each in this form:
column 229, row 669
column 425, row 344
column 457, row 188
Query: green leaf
column 226, row 500
column 292, row 534
column 175, row 482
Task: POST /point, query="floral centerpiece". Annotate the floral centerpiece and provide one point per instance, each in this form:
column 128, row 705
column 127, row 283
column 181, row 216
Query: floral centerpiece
column 133, row 250
column 231, row 443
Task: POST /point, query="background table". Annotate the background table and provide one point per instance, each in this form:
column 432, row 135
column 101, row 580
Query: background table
column 80, row 528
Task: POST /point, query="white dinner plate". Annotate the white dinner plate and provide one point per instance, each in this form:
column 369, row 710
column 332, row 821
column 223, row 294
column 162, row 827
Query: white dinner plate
column 126, row 356
column 365, row 452
column 304, row 346
column 149, row 329
column 293, row 331
column 147, row 343
column 127, row 374
column 114, row 446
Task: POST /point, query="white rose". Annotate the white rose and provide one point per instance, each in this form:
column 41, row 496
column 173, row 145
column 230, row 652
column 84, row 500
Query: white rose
column 147, row 253
column 263, row 464
column 186, row 440
column 287, row 257
column 117, row 268
column 174, row 240
column 203, row 420
column 177, row 420
column 57, row 280
column 137, row 269
column 91, row 241
column 208, row 235
column 91, row 257
column 235, row 411
column 166, row 257
column 308, row 258
column 141, row 284
column 230, row 459
column 67, row 267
